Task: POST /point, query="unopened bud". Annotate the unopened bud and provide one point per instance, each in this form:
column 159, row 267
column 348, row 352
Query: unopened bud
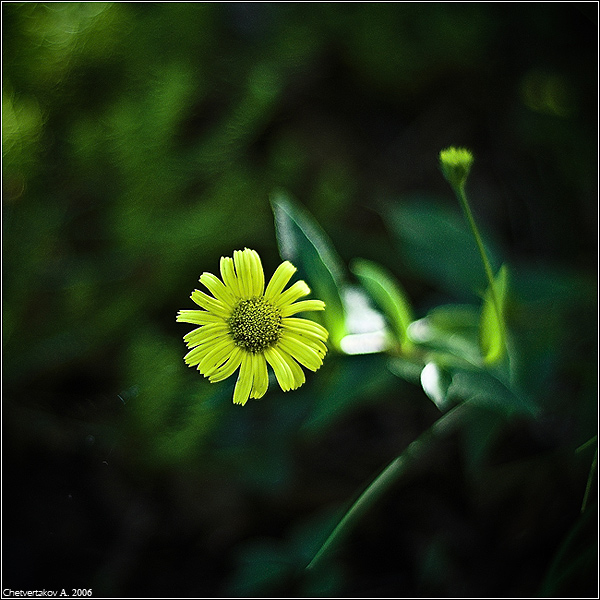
column 456, row 164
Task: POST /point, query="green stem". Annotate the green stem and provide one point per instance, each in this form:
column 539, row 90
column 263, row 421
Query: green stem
column 462, row 198
column 594, row 466
column 561, row 569
column 385, row 479
column 587, row 444
column 588, row 486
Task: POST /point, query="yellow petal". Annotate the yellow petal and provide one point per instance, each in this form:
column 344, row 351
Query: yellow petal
column 305, row 327
column 227, row 369
column 197, row 317
column 304, row 354
column 317, row 345
column 281, row 369
column 205, row 334
column 244, row 382
column 211, row 304
column 229, row 277
column 261, row 376
column 217, row 288
column 292, row 294
column 243, row 273
column 279, row 280
column 258, row 275
column 297, row 372
column 302, row 306
column 194, row 356
column 215, row 357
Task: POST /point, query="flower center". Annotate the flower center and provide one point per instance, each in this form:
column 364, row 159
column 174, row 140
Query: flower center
column 255, row 324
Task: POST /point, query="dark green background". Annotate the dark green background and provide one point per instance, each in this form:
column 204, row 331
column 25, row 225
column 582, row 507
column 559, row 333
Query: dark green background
column 141, row 142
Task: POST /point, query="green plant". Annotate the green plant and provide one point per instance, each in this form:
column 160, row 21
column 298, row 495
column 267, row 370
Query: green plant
column 453, row 372
column 460, row 354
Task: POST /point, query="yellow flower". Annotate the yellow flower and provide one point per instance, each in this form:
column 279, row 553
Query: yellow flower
column 247, row 326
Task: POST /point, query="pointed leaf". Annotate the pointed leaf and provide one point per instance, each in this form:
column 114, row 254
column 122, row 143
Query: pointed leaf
column 492, row 329
column 485, row 389
column 302, row 241
column 435, row 243
column 446, row 424
column 451, row 330
column 387, row 294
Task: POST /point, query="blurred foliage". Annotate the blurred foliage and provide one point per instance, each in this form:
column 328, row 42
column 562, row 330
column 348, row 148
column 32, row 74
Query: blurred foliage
column 142, row 141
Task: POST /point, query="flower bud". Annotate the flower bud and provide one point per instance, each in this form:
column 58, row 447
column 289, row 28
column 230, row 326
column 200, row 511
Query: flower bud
column 456, row 164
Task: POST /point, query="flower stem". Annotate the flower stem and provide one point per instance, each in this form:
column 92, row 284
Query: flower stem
column 396, row 469
column 586, row 444
column 459, row 190
column 462, row 198
column 593, row 468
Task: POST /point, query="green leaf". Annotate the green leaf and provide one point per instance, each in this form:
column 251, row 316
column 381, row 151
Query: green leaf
column 302, row 241
column 345, row 383
column 436, row 244
column 406, row 369
column 485, row 389
column 480, row 430
column 454, row 319
column 387, row 294
column 394, row 471
column 451, row 330
column 492, row 327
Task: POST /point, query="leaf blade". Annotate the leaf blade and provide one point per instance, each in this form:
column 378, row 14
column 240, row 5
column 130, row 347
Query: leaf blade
column 302, row 241
column 387, row 294
column 492, row 329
